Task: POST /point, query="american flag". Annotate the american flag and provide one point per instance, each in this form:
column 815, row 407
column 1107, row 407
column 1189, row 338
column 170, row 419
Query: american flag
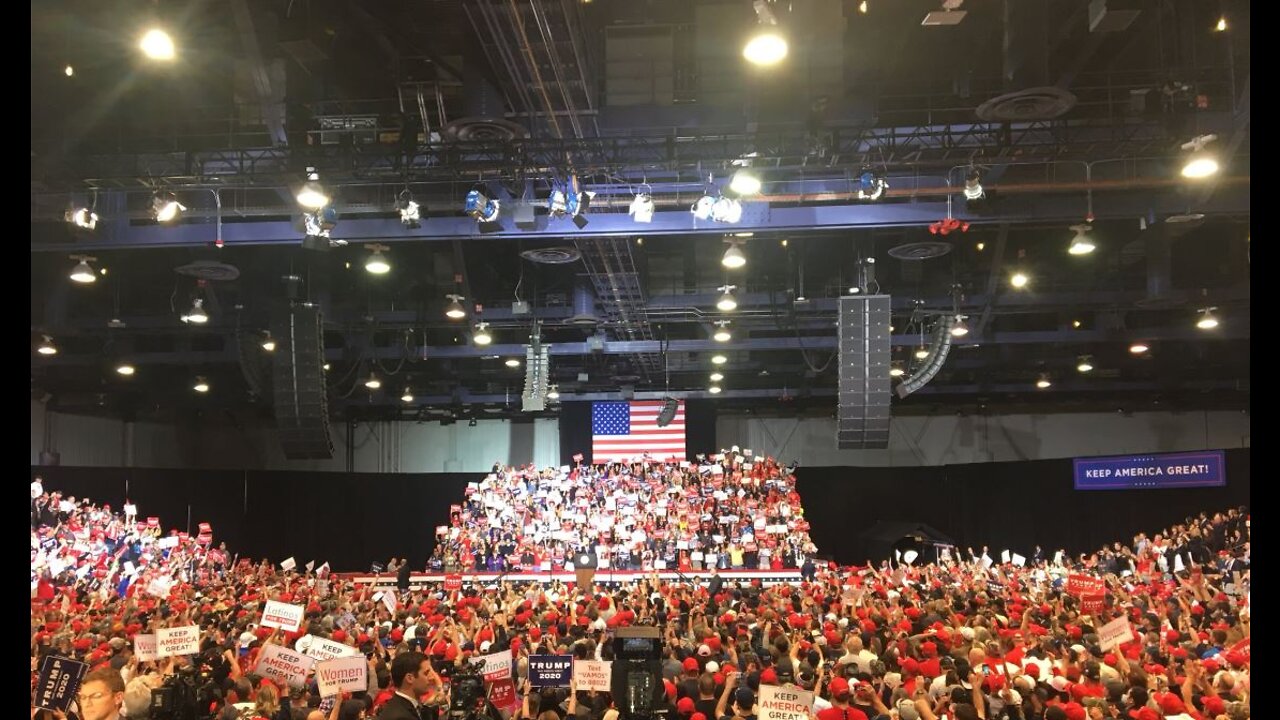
column 623, row 430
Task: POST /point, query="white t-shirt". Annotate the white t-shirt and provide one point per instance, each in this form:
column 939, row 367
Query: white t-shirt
column 36, row 489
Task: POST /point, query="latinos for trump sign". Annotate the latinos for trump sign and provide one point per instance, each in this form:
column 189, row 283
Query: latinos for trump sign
column 1171, row 470
column 178, row 641
column 496, row 666
column 59, row 681
column 784, row 703
column 280, row 615
column 281, row 663
column 550, row 670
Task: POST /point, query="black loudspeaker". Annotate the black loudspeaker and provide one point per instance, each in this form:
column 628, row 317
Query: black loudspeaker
column 938, row 351
column 862, row 414
column 302, row 408
column 668, row 413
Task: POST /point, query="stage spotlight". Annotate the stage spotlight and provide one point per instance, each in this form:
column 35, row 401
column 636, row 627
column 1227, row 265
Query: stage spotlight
column 165, row 207
column 83, row 218
column 642, row 208
column 726, row 210
column 766, row 46
column 479, row 206
column 410, row 211
column 157, row 45
column 1081, row 244
column 871, row 185
column 973, row 185
column 702, row 209
column 578, row 205
column 312, row 195
column 744, row 183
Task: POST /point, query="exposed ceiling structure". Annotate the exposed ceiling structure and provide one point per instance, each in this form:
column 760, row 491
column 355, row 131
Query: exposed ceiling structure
column 1066, row 112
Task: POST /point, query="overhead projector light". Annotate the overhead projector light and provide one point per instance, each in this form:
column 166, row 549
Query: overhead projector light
column 410, row 211
column 871, row 185
column 641, row 209
column 83, row 218
column 165, row 207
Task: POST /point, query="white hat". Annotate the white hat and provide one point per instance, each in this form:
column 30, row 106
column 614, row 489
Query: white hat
column 484, row 646
column 598, row 624
column 1059, row 683
column 704, row 650
column 712, row 667
column 967, row 632
column 893, row 680
column 246, row 638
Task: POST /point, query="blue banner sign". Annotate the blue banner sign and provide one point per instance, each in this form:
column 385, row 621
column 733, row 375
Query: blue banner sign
column 550, row 670
column 58, row 683
column 1171, row 470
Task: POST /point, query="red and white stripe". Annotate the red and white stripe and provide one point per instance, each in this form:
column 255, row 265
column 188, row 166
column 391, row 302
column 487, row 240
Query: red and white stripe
column 646, row 438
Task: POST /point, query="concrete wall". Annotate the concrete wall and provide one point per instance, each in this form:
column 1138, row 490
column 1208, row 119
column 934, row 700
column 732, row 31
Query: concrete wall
column 951, row 439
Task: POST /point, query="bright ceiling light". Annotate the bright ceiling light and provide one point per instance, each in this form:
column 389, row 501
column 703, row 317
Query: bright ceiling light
column 1201, row 163
column 1085, row 364
column 410, row 211
column 959, row 329
column 46, row 346
column 895, row 372
column 312, row 195
column 726, row 210
column 481, row 335
column 553, row 393
column 719, row 360
column 454, row 310
column 1222, row 24
column 157, row 45
column 766, row 47
column 1138, row 348
column 1208, row 320
column 1081, row 244
column 1018, row 280
column 165, row 207
column 125, row 369
column 722, row 333
column 82, row 272
column 83, row 218
column 973, row 185
column 714, row 389
column 69, row 71
column 733, row 257
column 512, row 363
column 1043, row 382
column 641, row 210
column 406, row 397
column 744, row 183
column 862, row 7
column 196, row 315
column 326, row 367
column 922, row 353
column 377, row 262
column 202, row 385
column 268, row 342
column 373, row 383
column 717, row 376
column 727, row 303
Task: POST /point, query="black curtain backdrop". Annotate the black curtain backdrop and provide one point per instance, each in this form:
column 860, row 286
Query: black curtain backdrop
column 1013, row 505
column 348, row 519
column 575, row 429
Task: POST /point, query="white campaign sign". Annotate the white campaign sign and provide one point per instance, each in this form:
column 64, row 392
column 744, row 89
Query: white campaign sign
column 339, row 674
column 326, row 649
column 289, row 564
column 178, row 641
column 1116, row 632
column 784, row 703
column 144, row 647
column 281, row 663
column 283, row 616
column 389, row 599
column 592, row 674
column 497, row 666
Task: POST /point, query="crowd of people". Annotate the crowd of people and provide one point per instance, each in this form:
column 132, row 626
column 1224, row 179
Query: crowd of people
column 732, row 510
column 977, row 638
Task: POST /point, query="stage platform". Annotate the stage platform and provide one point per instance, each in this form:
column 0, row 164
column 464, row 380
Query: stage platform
column 603, row 577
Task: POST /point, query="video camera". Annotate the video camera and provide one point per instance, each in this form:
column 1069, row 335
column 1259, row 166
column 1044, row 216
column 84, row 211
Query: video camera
column 183, row 695
column 466, row 694
column 637, row 672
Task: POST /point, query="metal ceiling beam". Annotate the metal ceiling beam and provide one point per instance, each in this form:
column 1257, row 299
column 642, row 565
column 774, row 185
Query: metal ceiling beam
column 1228, row 331
column 757, row 217
column 271, row 99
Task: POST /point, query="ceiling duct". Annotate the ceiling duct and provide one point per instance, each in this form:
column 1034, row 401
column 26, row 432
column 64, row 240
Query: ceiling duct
column 485, row 119
column 938, row 351
column 584, row 304
column 556, row 255
column 1028, row 93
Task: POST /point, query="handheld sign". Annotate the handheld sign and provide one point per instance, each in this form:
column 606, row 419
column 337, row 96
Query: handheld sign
column 144, row 647
column 281, row 663
column 178, row 641
column 326, row 649
column 283, row 616
column 288, row 564
column 342, row 674
column 1116, row 632
column 550, row 670
column 592, row 674
column 784, row 703
column 59, row 682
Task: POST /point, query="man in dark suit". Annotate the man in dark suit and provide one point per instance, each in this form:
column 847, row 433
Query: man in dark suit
column 402, row 575
column 412, row 676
